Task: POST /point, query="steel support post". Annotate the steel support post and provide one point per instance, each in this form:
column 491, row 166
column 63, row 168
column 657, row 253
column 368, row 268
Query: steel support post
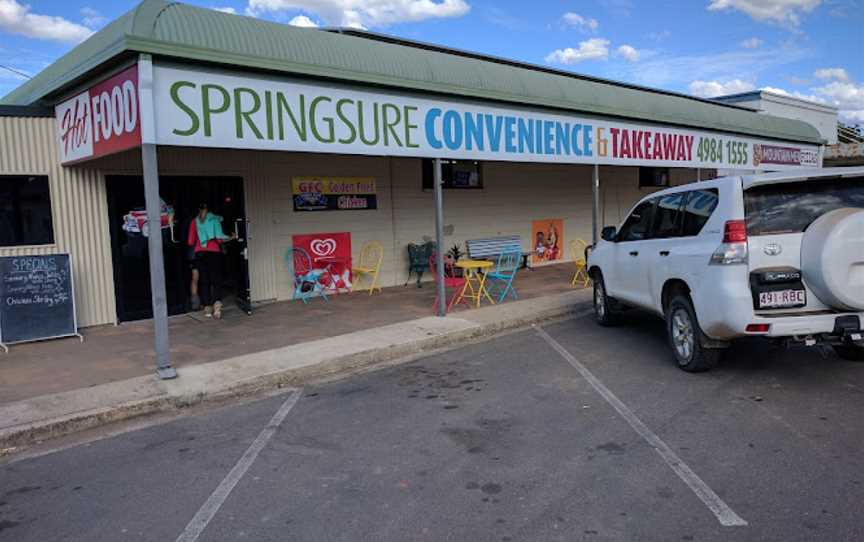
column 157, row 266
column 439, row 240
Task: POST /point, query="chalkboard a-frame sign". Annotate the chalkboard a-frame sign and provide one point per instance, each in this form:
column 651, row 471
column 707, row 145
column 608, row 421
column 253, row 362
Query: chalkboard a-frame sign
column 37, row 298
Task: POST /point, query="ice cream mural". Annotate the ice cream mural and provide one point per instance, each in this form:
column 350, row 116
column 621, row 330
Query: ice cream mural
column 331, row 253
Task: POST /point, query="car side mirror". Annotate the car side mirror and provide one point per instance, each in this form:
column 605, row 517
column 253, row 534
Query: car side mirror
column 608, row 233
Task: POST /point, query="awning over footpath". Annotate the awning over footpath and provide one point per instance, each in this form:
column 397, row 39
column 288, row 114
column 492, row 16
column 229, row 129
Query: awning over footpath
column 176, row 31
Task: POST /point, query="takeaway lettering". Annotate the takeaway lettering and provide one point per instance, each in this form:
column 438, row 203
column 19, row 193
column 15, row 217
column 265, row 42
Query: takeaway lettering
column 651, row 145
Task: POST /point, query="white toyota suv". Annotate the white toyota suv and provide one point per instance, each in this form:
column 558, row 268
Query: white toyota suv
column 777, row 255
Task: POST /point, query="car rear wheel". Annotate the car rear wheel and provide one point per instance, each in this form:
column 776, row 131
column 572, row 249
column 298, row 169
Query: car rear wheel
column 686, row 337
column 603, row 311
column 850, row 352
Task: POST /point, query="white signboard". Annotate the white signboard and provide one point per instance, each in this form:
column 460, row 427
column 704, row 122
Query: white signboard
column 213, row 109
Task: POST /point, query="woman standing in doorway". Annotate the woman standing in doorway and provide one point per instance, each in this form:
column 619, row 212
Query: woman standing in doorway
column 207, row 237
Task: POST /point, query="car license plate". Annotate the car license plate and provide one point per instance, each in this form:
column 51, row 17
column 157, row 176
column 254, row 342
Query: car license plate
column 782, row 299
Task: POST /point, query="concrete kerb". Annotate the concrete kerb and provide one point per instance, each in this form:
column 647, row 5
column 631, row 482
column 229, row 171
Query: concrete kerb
column 52, row 416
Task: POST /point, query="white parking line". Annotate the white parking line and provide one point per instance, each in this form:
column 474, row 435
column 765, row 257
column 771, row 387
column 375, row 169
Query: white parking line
column 217, row 498
column 725, row 515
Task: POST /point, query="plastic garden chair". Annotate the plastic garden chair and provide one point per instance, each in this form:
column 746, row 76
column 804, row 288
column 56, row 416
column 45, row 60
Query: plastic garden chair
column 307, row 281
column 451, row 281
column 499, row 281
column 577, row 253
column 371, row 256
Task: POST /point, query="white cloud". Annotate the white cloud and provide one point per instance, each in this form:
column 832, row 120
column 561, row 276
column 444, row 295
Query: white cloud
column 303, row 21
column 363, row 13
column 593, row 49
column 712, row 89
column 574, row 19
column 777, row 11
column 16, row 18
column 665, row 70
column 629, row 53
column 92, row 18
column 752, row 43
column 848, row 97
column 838, row 74
column 230, row 10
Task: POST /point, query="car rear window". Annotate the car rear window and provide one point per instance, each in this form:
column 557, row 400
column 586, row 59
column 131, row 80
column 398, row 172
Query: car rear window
column 792, row 207
column 698, row 209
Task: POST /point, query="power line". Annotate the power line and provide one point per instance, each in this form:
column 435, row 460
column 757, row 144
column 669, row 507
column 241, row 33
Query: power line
column 17, row 72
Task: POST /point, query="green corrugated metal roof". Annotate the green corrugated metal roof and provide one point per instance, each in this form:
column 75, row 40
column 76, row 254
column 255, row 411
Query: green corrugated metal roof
column 179, row 31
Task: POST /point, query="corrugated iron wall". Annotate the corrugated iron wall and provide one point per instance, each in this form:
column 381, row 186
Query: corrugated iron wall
column 79, row 207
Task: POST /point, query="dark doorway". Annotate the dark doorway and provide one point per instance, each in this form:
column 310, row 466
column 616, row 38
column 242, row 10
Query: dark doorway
column 182, row 195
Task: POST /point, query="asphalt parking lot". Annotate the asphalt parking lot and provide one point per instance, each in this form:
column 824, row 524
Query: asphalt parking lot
column 570, row 432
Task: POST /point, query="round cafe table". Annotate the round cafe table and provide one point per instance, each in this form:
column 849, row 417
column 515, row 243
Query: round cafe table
column 475, row 280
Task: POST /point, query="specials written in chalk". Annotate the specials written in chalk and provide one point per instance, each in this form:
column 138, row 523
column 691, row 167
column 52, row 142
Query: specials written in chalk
column 36, row 298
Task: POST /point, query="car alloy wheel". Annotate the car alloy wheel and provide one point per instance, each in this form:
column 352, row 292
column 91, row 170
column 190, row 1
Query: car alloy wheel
column 683, row 337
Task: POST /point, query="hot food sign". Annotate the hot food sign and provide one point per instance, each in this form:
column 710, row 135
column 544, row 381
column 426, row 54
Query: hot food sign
column 103, row 119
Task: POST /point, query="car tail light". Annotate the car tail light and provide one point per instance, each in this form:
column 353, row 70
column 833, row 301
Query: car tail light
column 758, row 328
column 735, row 232
column 734, row 248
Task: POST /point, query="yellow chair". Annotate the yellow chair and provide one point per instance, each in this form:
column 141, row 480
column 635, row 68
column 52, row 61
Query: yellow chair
column 577, row 253
column 371, row 256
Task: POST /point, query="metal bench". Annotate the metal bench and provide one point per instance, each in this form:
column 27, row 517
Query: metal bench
column 491, row 247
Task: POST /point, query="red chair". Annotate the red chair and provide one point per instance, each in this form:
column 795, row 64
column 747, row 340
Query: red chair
column 451, row 281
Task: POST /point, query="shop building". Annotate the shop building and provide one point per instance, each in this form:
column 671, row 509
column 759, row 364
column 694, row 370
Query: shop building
column 821, row 116
column 290, row 132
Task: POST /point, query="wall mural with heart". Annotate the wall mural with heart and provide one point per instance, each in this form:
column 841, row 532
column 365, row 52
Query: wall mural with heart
column 331, row 253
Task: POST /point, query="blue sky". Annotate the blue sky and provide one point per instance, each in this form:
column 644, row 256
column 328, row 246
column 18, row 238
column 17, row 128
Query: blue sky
column 808, row 48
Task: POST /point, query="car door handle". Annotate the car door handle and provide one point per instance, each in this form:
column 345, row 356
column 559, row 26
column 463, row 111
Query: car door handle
column 634, row 252
column 664, row 252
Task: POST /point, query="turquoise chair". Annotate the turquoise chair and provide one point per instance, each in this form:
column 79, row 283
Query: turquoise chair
column 500, row 281
column 307, row 281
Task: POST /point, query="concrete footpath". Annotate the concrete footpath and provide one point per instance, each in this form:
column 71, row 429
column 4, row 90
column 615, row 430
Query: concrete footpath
column 58, row 414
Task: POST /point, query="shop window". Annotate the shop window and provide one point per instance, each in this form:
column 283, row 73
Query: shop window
column 25, row 211
column 455, row 174
column 653, row 177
